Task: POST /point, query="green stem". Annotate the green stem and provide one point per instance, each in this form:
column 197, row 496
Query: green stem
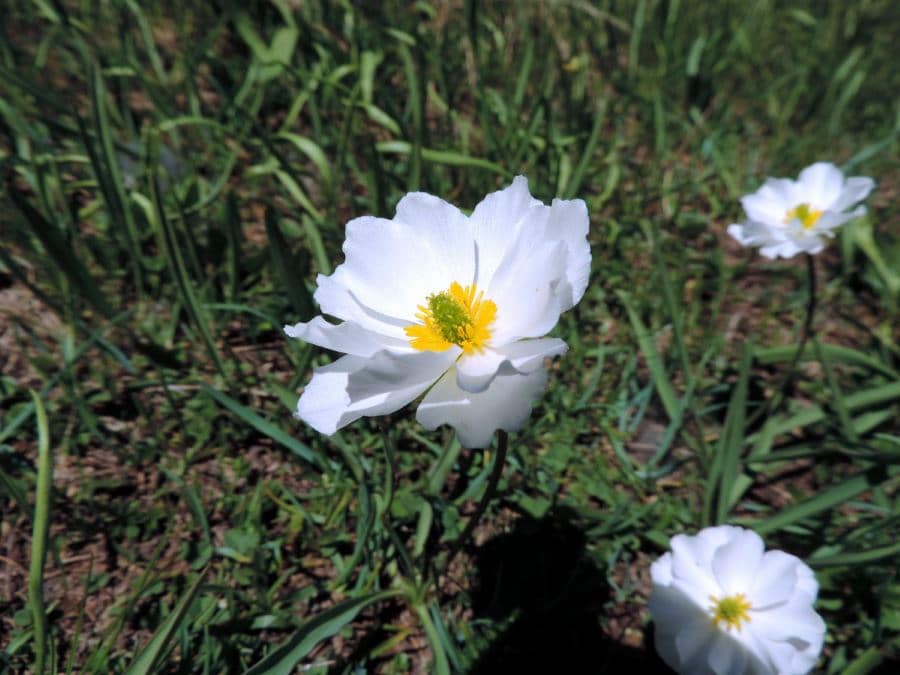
column 489, row 493
column 39, row 537
column 791, row 371
column 441, row 666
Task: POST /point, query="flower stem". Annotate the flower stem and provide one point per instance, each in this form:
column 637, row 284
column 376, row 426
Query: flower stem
column 791, row 371
column 489, row 493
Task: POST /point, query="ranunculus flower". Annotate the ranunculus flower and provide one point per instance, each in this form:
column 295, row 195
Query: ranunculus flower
column 723, row 605
column 786, row 217
column 453, row 307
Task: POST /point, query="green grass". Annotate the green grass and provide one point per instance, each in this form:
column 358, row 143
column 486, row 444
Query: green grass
column 175, row 175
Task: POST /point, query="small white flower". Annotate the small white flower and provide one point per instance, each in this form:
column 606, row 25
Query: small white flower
column 786, row 217
column 722, row 605
column 434, row 302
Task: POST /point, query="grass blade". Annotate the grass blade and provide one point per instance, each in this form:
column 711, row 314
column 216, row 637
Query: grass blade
column 61, row 253
column 264, row 426
column 109, row 176
column 284, row 659
column 823, row 501
column 289, row 269
column 732, row 440
column 149, row 659
column 654, row 360
column 40, row 528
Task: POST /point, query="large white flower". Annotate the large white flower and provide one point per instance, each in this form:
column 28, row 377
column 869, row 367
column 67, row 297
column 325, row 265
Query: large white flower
column 786, row 217
column 434, row 302
column 722, row 605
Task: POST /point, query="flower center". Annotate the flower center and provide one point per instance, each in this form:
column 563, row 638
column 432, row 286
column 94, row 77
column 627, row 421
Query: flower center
column 457, row 316
column 807, row 215
column 733, row 611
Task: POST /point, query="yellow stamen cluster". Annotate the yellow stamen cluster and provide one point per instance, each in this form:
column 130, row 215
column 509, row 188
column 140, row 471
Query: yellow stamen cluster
column 733, row 611
column 807, row 215
column 458, row 316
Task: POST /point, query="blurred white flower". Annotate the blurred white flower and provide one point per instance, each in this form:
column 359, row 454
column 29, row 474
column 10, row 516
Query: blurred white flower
column 786, row 217
column 451, row 306
column 722, row 605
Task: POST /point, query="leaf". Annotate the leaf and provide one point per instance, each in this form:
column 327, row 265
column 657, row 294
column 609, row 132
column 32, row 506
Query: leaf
column 40, row 528
column 60, row 252
column 441, row 157
column 284, row 659
column 732, row 440
column 289, row 269
column 654, row 361
column 148, row 659
column 264, row 427
column 824, row 500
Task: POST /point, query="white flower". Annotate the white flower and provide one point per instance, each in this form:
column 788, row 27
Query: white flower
column 722, row 605
column 786, row 217
column 434, row 302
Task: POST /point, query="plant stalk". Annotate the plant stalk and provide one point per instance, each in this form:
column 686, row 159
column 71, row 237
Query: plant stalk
column 811, row 303
column 486, row 498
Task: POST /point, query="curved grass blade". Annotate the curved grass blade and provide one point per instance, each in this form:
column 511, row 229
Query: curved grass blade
column 156, row 216
column 40, row 527
column 109, row 176
column 288, row 269
column 851, row 558
column 654, row 360
column 61, row 253
column 264, row 426
column 284, row 659
column 732, row 440
column 837, row 353
column 149, row 659
column 826, row 500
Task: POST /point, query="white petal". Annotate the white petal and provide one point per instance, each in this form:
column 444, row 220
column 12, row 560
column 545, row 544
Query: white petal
column 820, row 185
column 726, row 656
column 831, row 220
column 693, row 642
column 525, row 289
column 339, row 301
column 391, row 266
column 780, row 191
column 346, row 337
column 794, row 621
column 476, row 372
column 776, row 579
column 691, row 568
column 526, row 356
column 807, row 586
column 506, row 405
column 769, row 211
column 681, row 629
column 855, row 190
column 787, row 249
column 353, row 387
column 672, row 608
column 735, row 563
column 756, row 233
column 661, row 570
column 569, row 222
column 445, row 231
column 790, row 639
column 497, row 221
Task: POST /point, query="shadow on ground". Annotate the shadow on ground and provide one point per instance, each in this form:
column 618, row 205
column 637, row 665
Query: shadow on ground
column 539, row 580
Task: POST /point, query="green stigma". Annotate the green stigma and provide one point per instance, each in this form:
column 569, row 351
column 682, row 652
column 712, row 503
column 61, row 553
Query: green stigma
column 450, row 318
column 807, row 215
column 733, row 611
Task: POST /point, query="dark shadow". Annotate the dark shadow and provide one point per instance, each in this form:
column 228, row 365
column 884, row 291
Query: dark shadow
column 546, row 596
